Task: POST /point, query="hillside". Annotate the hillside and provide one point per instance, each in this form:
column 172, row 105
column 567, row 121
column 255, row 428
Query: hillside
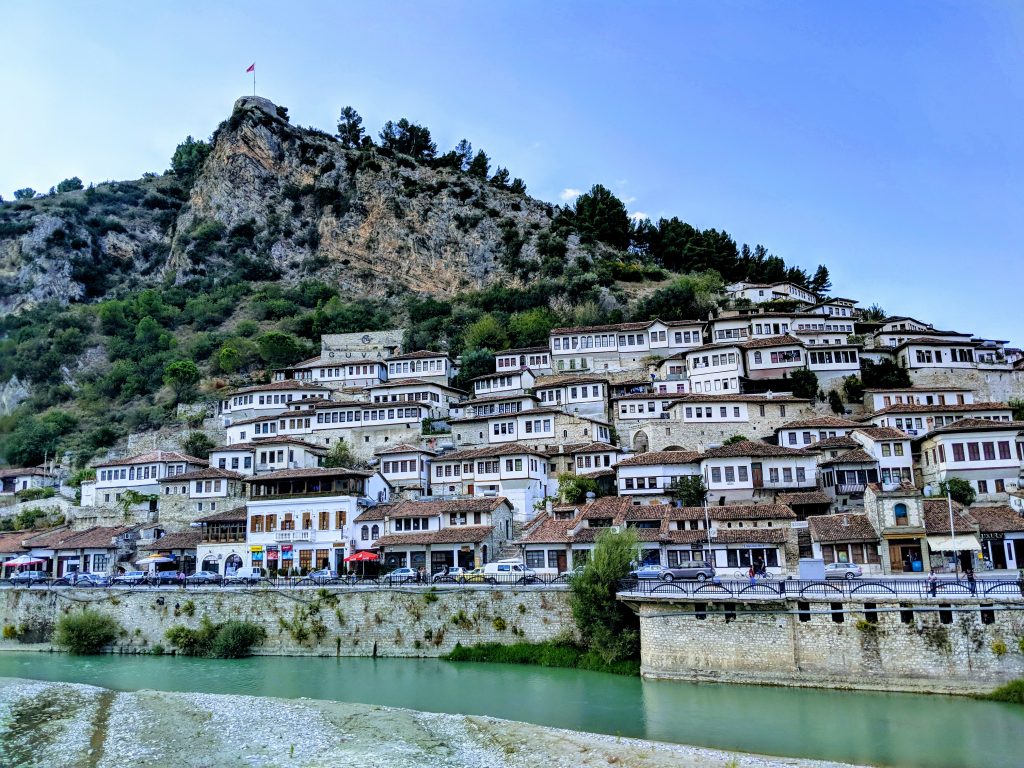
column 271, row 234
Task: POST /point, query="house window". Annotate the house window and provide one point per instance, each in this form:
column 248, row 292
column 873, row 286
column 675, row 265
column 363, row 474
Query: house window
column 900, row 511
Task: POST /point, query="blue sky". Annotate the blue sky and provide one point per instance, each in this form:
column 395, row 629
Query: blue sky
column 880, row 138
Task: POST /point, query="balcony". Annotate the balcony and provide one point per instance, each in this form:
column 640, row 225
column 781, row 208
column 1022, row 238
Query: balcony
column 288, row 536
column 851, row 489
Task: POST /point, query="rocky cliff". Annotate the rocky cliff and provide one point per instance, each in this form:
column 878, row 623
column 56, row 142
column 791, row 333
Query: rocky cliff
column 274, row 197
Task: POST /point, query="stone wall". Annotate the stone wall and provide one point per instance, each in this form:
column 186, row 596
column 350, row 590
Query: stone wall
column 988, row 385
column 311, row 622
column 769, row 643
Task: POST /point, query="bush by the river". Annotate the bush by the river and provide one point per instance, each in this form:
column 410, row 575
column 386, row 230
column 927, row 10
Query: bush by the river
column 86, row 632
column 1012, row 692
column 229, row 640
column 545, row 654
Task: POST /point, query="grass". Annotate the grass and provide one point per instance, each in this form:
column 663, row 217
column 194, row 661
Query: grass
column 1012, row 692
column 546, row 654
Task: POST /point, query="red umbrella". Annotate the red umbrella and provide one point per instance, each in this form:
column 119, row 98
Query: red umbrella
column 361, row 557
column 23, row 560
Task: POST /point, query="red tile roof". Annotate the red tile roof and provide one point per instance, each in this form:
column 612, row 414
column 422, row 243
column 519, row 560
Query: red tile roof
column 153, row 457
column 773, row 341
column 936, row 518
column 751, row 448
column 456, row 534
column 653, row 458
column 998, row 519
column 208, row 473
column 841, row 528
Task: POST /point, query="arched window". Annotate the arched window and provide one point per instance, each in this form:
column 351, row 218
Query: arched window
column 365, row 533
column 901, row 514
column 376, row 533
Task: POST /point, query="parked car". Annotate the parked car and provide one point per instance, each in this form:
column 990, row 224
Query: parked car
column 76, row 579
column 28, row 578
column 476, row 576
column 322, row 576
column 165, row 577
column 687, row 570
column 204, row 577
column 248, row 575
column 449, row 574
column 130, row 578
column 843, row 571
column 402, row 576
column 510, row 572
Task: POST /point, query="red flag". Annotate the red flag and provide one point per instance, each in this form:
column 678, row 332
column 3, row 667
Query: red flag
column 252, row 67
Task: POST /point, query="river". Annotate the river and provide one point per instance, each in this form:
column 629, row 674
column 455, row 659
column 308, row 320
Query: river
column 886, row 729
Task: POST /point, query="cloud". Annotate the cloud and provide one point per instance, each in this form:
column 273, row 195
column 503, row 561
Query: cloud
column 628, row 200
column 638, row 216
column 569, row 194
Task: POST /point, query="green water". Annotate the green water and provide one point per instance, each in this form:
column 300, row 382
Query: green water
column 887, row 729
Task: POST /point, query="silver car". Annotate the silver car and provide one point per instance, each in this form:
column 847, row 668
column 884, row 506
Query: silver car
column 843, row 571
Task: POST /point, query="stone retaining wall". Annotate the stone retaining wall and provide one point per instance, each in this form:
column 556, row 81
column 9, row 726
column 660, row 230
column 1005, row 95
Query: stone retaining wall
column 315, row 622
column 770, row 643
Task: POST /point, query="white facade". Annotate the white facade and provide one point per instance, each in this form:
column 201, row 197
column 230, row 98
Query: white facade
column 420, row 365
column 651, row 474
column 522, row 477
column 877, row 399
column 535, row 358
column 715, row 368
column 141, row 473
column 987, row 454
column 503, row 383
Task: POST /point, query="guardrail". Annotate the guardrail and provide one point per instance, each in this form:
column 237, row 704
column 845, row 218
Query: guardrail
column 387, row 581
column 838, row 589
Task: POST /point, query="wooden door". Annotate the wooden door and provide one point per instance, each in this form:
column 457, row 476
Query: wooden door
column 758, row 475
column 896, row 558
column 561, row 562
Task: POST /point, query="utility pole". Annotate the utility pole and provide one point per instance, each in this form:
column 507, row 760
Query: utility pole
column 952, row 534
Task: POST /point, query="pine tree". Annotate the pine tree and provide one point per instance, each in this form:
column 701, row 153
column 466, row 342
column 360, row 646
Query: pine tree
column 350, row 128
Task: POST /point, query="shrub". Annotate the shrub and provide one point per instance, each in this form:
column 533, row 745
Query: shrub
column 1012, row 692
column 544, row 654
column 86, row 632
column 230, row 640
column 605, row 624
column 10, row 632
column 34, row 494
column 499, row 624
column 999, row 647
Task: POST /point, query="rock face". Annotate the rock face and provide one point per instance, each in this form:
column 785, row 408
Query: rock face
column 274, row 197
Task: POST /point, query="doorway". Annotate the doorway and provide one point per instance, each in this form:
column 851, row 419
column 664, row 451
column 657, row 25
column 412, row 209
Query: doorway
column 560, row 562
column 757, row 473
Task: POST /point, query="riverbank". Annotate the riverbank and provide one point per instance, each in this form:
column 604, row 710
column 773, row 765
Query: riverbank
column 44, row 724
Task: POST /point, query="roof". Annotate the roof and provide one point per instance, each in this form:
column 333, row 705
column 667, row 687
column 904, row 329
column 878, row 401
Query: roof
column 284, row 474
column 404, row 448
column 936, row 518
column 594, row 448
column 455, row 534
column 543, row 382
column 773, row 341
column 415, row 382
column 256, row 419
column 547, row 530
column 936, row 408
column 178, row 540
column 275, row 386
column 24, row 472
column 841, row 527
column 528, row 412
column 746, row 535
column 263, row 442
column 48, row 539
column 521, row 351
column 604, row 328
column 934, row 342
column 227, row 516
column 750, row 448
column 855, row 456
column 976, row 425
column 803, row 497
column 917, row 389
column 376, row 512
column 820, row 421
column 153, row 457
column 508, row 396
column 883, row 433
column 692, row 397
column 12, row 542
column 998, row 519
column 507, row 449
column 447, row 506
column 203, row 474
column 733, row 512
column 97, row 537
column 418, row 354
column 833, row 442
column 708, row 347
column 661, row 457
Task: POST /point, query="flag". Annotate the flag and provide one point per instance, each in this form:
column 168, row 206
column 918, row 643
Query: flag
column 252, row 67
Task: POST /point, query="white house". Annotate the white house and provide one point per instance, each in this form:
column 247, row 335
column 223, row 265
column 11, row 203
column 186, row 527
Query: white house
column 515, row 472
column 620, row 346
column 24, row 478
column 141, row 473
column 422, row 364
column 651, row 474
column 715, row 368
column 267, row 399
column 891, row 450
column 537, row 359
column 918, row 419
column 341, row 373
column 438, row 396
column 935, row 353
column 746, row 470
column 503, row 383
column 773, row 357
column 267, row 455
column 587, row 395
column 877, row 399
column 406, row 467
column 804, row 432
column 986, row 453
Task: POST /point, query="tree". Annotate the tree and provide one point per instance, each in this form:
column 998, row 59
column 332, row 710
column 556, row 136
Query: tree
column 689, row 490
column 350, row 128
column 182, row 376
column 229, row 359
column 735, row 439
column 341, row 455
column 479, row 166
column 804, row 383
column 960, row 490
column 198, row 444
column 853, row 388
column 599, row 215
column 26, row 193
column 874, row 313
column 690, row 296
column 820, row 284
column 409, row 139
column 501, row 178
column 518, row 186
column 1018, row 408
column 487, row 333
column 835, row 402
column 279, row 349
column 473, row 363
column 573, row 489
column 188, row 158
column 605, row 624
column 883, row 375
column 69, row 185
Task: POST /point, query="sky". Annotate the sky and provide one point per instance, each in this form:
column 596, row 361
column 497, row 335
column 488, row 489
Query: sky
column 882, row 139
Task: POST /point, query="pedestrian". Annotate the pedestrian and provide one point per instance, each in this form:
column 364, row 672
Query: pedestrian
column 1020, row 581
column 933, row 583
column 970, row 581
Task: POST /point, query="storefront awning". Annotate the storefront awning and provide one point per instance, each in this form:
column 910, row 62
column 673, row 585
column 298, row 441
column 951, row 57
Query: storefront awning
column 966, row 542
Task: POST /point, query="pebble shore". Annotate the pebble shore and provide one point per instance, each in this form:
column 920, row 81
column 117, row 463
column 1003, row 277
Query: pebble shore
column 46, row 724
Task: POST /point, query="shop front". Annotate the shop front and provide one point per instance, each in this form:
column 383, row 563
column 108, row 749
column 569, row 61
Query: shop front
column 950, row 553
column 906, row 555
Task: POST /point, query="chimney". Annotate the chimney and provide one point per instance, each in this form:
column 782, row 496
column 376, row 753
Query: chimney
column 548, row 506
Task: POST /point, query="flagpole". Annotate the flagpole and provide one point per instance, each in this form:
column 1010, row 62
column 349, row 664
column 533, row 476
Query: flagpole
column 254, row 80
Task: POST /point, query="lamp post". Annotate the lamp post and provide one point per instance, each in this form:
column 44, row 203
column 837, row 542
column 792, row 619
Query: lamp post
column 952, row 534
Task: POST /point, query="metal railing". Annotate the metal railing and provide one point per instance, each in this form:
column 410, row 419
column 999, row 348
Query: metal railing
column 837, row 589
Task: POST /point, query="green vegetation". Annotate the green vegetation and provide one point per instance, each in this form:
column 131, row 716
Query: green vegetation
column 229, row 640
column 573, row 489
column 1012, row 692
column 545, row 654
column 690, row 490
column 35, row 494
column 606, row 626
column 883, row 375
column 87, row 632
column 804, row 383
column 960, row 490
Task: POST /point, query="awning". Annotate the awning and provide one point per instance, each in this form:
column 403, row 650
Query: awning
column 966, row 542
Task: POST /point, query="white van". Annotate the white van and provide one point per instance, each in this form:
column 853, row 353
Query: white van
column 247, row 575
column 510, row 572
